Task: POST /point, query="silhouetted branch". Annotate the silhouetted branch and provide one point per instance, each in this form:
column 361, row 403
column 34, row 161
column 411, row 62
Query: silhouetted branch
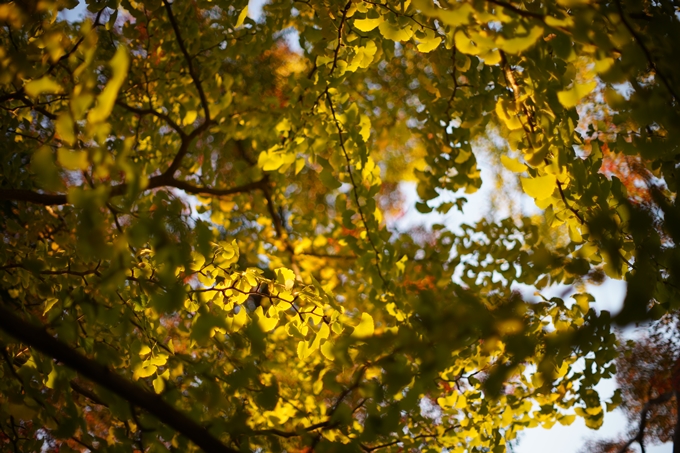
column 640, row 437
column 38, row 338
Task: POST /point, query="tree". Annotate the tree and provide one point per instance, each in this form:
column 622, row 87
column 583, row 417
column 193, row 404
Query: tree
column 648, row 374
column 196, row 251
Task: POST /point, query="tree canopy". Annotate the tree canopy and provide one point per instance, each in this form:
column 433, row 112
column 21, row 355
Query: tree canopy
column 199, row 249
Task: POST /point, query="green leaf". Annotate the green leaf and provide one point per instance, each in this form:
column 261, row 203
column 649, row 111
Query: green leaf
column 328, row 179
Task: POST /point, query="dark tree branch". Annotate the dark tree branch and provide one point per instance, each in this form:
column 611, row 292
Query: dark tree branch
column 36, row 337
column 161, row 115
column 646, row 51
column 640, row 437
column 676, row 434
column 340, row 29
column 90, row 395
column 189, row 59
column 516, row 10
column 354, row 185
column 155, row 182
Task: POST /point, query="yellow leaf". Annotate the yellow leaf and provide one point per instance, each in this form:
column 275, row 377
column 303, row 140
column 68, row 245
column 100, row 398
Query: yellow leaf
column 72, row 160
column 522, row 43
column 491, row 58
column 142, row 371
column 572, row 3
column 65, row 128
column 159, row 360
column 567, row 420
column 575, row 234
column 119, row 67
column 158, row 384
column 190, row 117
column 465, row 44
column 510, row 119
column 302, row 350
column 555, row 22
column 367, row 24
column 265, row 323
column 365, row 327
column 51, row 378
column 457, row 17
column 395, row 33
column 144, row 350
column 234, row 323
column 299, row 165
column 46, row 84
column 569, row 98
column 242, row 17
column 539, row 188
column 513, row 164
column 603, row 65
column 322, row 334
column 286, row 277
column 365, row 127
column 428, row 45
column 327, row 350
column 49, row 303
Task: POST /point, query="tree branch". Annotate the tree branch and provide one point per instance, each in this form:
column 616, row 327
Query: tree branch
column 640, row 437
column 39, row 339
column 646, row 51
column 192, row 72
column 161, row 115
column 155, row 182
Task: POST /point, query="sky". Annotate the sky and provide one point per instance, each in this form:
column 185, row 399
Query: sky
column 609, row 296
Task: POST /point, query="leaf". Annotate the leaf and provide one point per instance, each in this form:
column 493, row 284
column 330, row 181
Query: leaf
column 367, row 25
column 521, row 43
column 365, row 327
column 429, row 45
column 65, row 128
column 143, row 371
column 314, row 346
column 241, row 17
column 190, row 117
column 44, row 85
column 365, row 127
column 327, row 350
column 457, row 17
column 539, row 188
column 119, row 67
column 285, row 277
column 158, row 385
column 513, row 164
column 266, row 324
column 566, row 420
column 329, row 180
column 571, row 97
column 72, row 160
column 395, row 33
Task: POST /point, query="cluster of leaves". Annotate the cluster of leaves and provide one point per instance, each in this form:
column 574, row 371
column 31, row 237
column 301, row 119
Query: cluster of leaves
column 194, row 247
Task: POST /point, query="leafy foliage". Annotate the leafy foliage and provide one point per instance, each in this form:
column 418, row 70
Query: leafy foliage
column 196, row 242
